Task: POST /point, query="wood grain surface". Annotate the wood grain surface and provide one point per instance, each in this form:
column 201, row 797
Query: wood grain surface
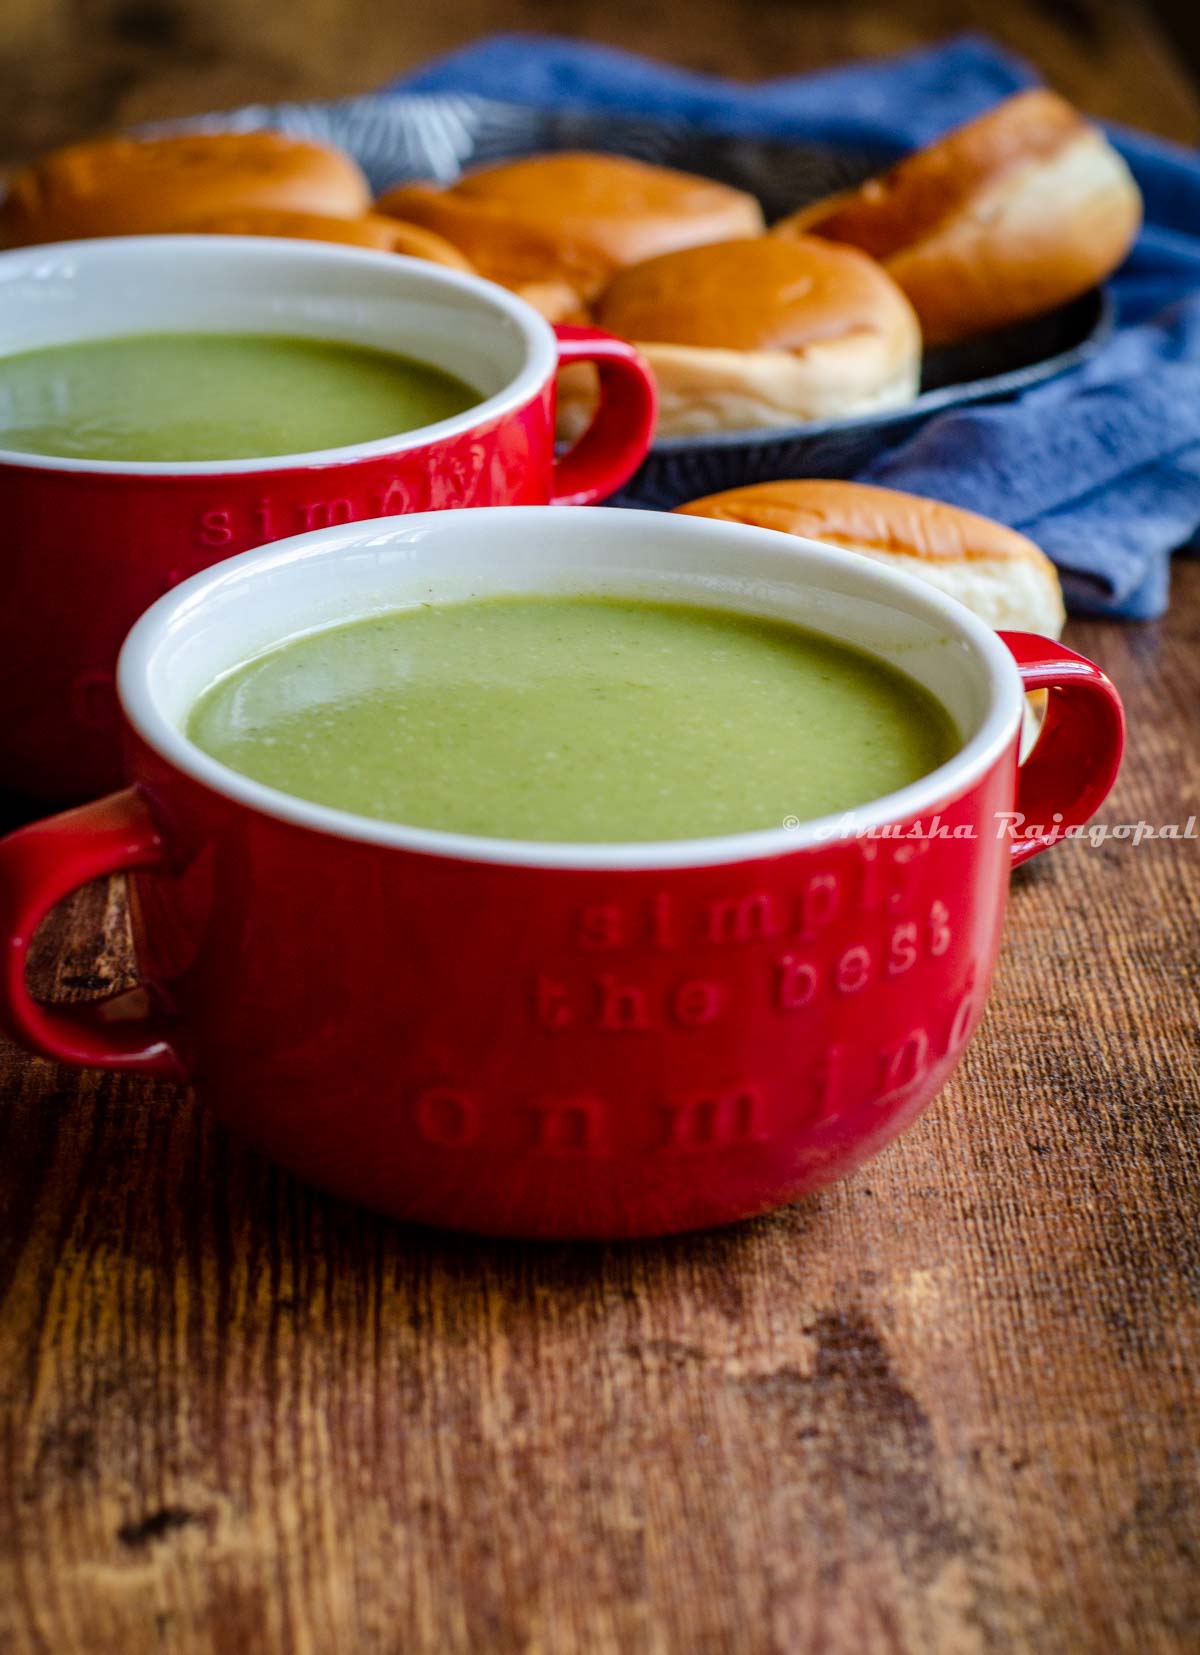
column 948, row 1406
column 71, row 67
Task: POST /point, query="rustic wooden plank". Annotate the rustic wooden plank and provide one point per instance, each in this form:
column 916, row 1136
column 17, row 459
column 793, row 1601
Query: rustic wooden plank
column 67, row 70
column 948, row 1405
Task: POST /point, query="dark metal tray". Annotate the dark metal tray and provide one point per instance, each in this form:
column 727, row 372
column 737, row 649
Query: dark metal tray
column 436, row 135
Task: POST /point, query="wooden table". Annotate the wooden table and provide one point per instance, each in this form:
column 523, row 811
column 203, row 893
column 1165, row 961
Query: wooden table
column 947, row 1406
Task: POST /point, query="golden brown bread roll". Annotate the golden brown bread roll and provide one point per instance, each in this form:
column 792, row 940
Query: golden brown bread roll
column 765, row 331
column 561, row 224
column 372, row 230
column 554, row 300
column 999, row 574
column 1000, row 220
column 133, row 186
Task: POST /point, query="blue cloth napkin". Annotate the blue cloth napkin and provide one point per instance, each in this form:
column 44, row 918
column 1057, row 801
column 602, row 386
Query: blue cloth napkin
column 1101, row 467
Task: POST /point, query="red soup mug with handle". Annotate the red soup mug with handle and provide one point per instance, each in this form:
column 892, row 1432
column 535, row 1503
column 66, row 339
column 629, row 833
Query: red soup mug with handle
column 88, row 545
column 557, row 1039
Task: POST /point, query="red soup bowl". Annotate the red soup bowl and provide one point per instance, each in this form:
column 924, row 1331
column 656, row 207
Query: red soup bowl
column 89, row 544
column 557, row 1039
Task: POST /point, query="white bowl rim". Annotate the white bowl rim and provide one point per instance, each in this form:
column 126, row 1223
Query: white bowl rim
column 998, row 731
column 541, row 354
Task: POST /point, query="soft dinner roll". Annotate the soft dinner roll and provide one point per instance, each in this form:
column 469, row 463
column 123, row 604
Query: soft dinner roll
column 133, row 186
column 373, row 230
column 1004, row 218
column 766, row 331
column 555, row 227
column 996, row 572
column 556, row 301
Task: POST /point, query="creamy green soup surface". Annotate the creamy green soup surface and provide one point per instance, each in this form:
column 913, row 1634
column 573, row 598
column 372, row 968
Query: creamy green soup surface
column 591, row 719
column 176, row 397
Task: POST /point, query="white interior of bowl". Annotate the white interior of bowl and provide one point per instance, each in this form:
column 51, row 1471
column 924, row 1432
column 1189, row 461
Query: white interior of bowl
column 72, row 291
column 252, row 603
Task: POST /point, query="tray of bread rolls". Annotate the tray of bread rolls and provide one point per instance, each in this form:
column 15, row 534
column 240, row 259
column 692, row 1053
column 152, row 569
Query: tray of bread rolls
column 803, row 307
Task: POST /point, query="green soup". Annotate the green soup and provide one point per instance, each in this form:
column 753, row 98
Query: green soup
column 214, row 396
column 577, row 718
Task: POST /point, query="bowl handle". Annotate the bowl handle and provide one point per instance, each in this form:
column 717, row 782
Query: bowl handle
column 616, row 442
column 1075, row 759
column 39, row 866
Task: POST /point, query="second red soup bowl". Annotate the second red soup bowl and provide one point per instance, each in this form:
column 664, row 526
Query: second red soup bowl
column 557, row 1039
column 89, row 544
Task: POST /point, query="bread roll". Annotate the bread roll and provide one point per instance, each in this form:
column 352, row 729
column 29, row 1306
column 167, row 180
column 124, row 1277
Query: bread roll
column 562, row 224
column 556, row 301
column 765, row 331
column 999, row 574
column 372, row 230
column 1002, row 219
column 132, row 186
